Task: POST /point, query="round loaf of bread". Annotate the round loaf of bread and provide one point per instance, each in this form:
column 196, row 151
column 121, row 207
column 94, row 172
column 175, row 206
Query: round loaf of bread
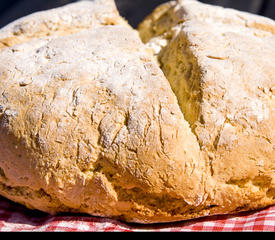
column 90, row 124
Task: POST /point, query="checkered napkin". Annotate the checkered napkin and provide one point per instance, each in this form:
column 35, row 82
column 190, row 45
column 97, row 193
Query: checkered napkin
column 15, row 218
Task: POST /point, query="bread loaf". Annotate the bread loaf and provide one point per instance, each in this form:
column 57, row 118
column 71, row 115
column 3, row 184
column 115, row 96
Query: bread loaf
column 90, row 124
column 220, row 64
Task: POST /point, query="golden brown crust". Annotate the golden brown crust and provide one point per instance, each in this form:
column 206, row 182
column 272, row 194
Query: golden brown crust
column 90, row 124
column 219, row 63
column 65, row 20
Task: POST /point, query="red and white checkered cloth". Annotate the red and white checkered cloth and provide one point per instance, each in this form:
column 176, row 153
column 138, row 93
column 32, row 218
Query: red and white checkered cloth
column 14, row 218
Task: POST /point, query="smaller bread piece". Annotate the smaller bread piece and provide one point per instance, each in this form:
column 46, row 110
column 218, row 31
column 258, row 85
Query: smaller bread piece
column 88, row 122
column 66, row 20
column 220, row 64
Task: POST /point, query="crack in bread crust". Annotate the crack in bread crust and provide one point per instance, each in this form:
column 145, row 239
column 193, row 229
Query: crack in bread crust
column 223, row 84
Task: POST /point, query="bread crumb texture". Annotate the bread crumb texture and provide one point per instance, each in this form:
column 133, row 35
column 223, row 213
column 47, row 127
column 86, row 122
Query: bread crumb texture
column 90, row 124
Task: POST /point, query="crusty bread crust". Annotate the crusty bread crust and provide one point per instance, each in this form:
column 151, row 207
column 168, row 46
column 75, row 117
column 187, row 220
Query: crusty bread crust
column 90, row 124
column 220, row 64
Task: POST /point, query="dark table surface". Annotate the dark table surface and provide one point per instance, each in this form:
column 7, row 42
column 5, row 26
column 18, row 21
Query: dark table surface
column 133, row 10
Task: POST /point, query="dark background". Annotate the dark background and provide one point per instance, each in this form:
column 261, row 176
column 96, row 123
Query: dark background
column 133, row 10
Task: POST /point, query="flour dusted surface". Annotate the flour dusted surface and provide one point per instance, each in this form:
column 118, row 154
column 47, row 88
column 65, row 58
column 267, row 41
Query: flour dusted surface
column 90, row 124
column 219, row 63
